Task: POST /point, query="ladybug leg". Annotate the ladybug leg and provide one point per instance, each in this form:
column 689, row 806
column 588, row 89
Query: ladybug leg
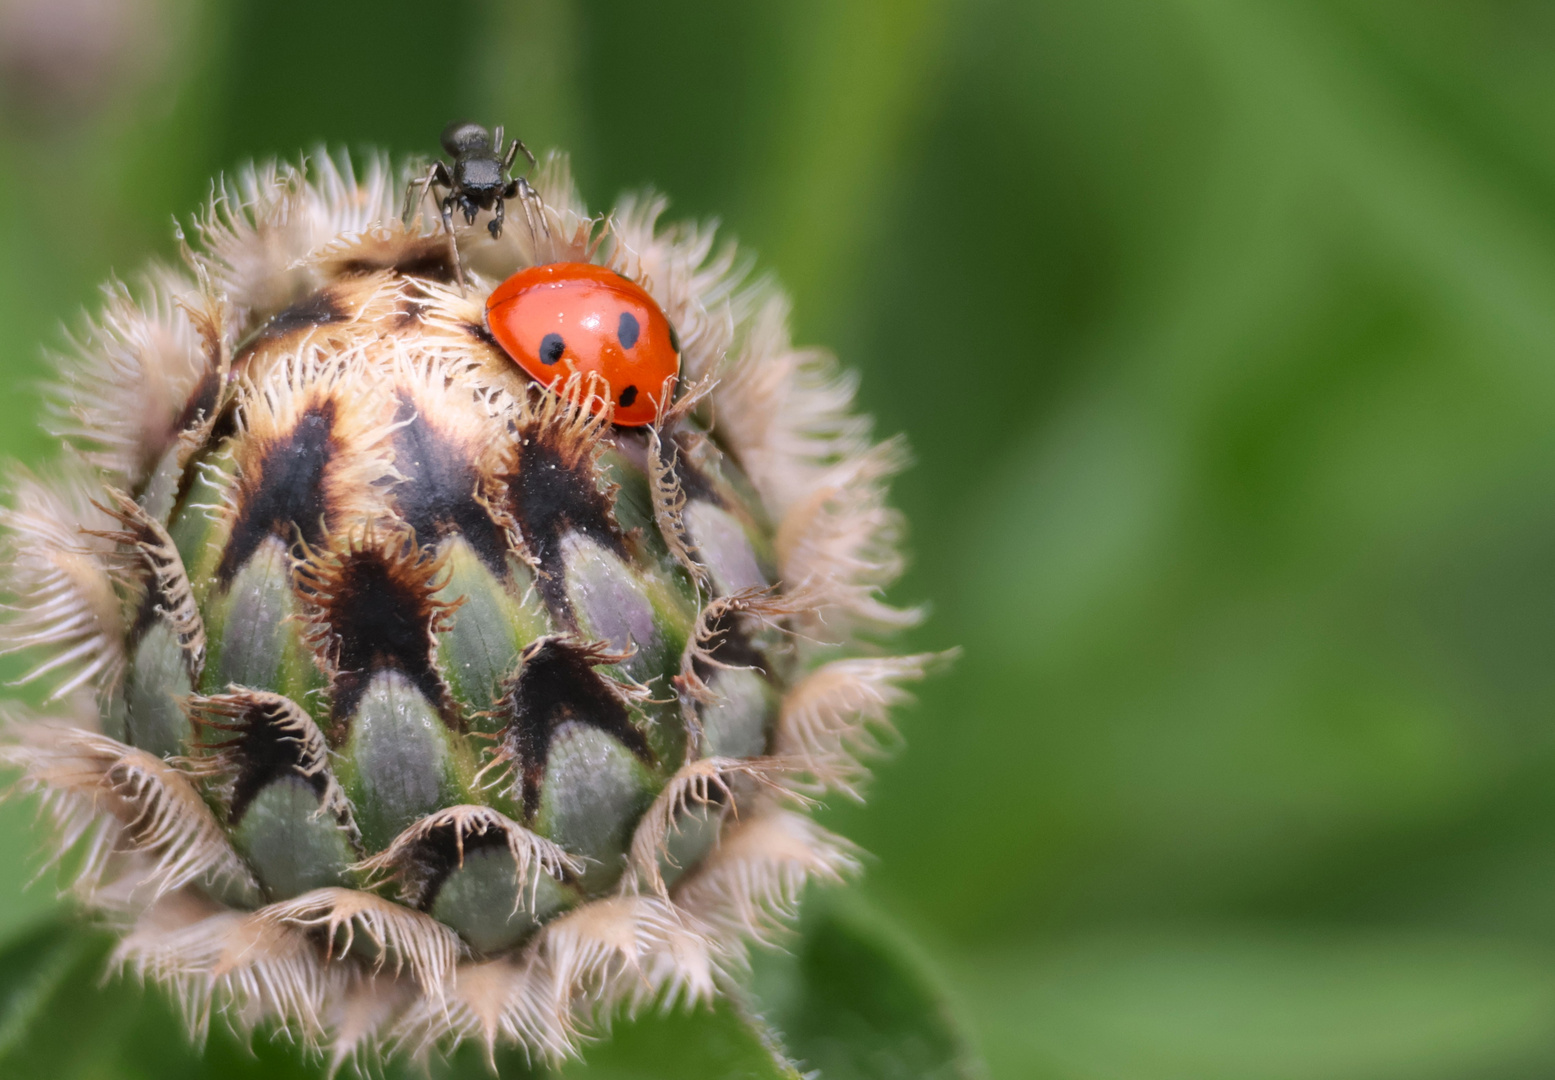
column 453, row 248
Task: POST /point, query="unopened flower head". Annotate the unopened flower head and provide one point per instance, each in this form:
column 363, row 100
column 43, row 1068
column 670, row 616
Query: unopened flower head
column 394, row 699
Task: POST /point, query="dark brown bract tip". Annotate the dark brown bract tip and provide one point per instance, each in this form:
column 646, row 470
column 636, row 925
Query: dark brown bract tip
column 425, row 257
column 331, row 315
column 311, row 455
column 546, row 483
column 161, row 583
column 422, row 857
column 556, row 683
column 254, row 737
column 371, row 603
column 281, row 491
column 439, row 464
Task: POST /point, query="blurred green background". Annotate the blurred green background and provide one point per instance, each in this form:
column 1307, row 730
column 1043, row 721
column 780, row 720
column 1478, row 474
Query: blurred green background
column 1224, row 334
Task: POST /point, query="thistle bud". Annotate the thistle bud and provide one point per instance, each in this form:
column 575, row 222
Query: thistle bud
column 396, row 698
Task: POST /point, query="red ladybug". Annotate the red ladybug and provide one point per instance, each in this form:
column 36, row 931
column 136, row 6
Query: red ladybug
column 562, row 318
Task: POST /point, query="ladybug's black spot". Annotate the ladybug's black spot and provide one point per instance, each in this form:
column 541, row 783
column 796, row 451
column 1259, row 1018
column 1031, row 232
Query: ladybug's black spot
column 551, row 348
column 628, row 396
column 628, row 330
column 674, row 338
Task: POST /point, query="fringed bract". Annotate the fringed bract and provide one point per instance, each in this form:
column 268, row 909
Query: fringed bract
column 168, row 591
column 256, row 736
column 371, row 602
column 702, row 784
column 423, row 851
column 62, row 602
column 120, row 800
column 399, row 938
column 556, row 683
column 834, row 718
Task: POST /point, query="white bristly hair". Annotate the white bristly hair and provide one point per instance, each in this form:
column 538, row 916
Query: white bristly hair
column 750, row 886
column 401, row 937
column 494, row 1001
column 702, row 783
column 62, row 604
column 126, row 374
column 265, row 220
column 216, row 957
column 118, row 800
column 837, row 715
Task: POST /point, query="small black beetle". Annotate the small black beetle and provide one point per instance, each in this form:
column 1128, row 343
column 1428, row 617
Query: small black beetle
column 477, row 181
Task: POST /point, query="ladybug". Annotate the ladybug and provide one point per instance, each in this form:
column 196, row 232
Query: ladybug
column 565, row 318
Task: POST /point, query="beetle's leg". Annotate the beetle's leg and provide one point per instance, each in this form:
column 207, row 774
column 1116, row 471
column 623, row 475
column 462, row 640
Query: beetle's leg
column 453, row 248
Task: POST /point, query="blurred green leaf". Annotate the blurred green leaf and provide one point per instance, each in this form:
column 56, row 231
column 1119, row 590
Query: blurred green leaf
column 1224, row 1005
column 31, row 972
column 852, row 999
column 60, row 1020
column 718, row 1043
column 26, row 898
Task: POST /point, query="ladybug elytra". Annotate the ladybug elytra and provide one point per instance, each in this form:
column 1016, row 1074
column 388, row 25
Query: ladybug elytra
column 570, row 318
